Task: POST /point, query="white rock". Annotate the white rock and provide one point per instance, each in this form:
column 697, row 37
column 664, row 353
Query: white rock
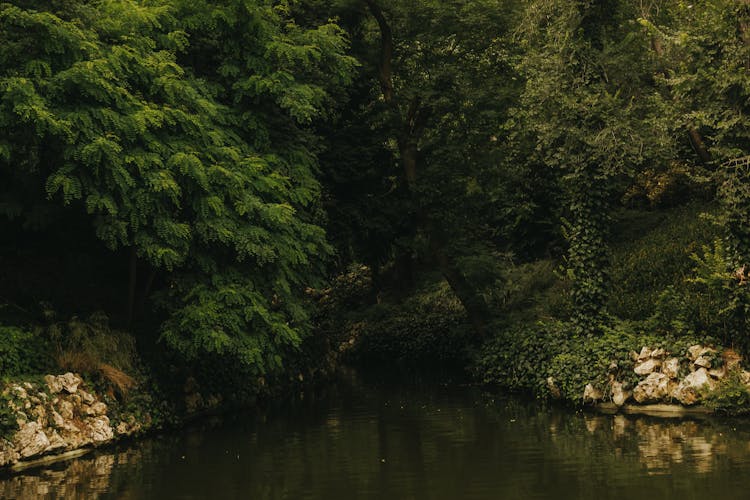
column 648, row 366
column 653, row 389
column 619, row 395
column 591, row 394
column 86, row 397
column 56, row 419
column 671, row 367
column 8, row 453
column 56, row 442
column 702, row 362
column 65, row 409
column 658, row 353
column 54, row 384
column 688, row 391
column 644, row 354
column 99, row 429
column 70, row 382
column 97, row 409
column 553, row 389
column 694, row 351
column 30, row 440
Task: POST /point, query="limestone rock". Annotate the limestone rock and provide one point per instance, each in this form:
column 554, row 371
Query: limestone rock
column 66, row 409
column 99, row 430
column 591, row 394
column 702, row 362
column 619, row 394
column 86, row 397
column 694, row 351
column 648, row 366
column 53, row 383
column 653, row 389
column 553, row 389
column 8, row 453
column 56, row 419
column 658, row 353
column 97, row 409
column 70, row 382
column 718, row 373
column 644, row 354
column 30, row 440
column 688, row 391
column 56, row 442
column 671, row 368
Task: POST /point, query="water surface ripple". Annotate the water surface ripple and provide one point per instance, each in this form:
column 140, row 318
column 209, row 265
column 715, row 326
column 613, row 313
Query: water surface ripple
column 360, row 441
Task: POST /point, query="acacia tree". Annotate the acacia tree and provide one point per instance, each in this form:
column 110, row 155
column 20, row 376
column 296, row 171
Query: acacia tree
column 101, row 112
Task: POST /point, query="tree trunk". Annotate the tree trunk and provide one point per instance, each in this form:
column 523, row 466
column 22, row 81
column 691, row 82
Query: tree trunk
column 408, row 130
column 132, row 283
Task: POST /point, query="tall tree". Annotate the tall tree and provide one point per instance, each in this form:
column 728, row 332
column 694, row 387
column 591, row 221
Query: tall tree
column 107, row 108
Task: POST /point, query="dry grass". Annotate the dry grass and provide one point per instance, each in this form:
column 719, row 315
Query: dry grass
column 83, row 362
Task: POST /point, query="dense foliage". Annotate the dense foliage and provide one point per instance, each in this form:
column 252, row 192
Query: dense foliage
column 250, row 187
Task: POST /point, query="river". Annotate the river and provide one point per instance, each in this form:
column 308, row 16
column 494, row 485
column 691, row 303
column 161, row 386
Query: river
column 358, row 440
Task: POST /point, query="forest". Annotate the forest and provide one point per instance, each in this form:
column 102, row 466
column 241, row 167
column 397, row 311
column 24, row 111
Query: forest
column 245, row 194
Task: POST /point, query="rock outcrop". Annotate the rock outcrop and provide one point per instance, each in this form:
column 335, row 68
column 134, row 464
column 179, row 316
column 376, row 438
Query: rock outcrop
column 667, row 378
column 55, row 417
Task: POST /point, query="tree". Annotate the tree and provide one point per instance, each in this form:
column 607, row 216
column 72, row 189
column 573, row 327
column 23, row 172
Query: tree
column 587, row 105
column 433, row 93
column 115, row 110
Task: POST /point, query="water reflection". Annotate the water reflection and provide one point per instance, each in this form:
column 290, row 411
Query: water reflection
column 422, row 443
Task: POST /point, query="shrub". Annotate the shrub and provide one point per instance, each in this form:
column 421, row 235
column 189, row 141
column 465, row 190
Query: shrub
column 22, row 352
column 652, row 252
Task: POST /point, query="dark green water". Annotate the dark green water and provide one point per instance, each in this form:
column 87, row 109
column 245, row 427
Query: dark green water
column 421, row 442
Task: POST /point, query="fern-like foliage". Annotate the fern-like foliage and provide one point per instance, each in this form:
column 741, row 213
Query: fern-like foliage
column 179, row 129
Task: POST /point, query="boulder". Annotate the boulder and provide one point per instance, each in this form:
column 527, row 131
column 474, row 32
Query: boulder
column 8, row 453
column 619, row 394
column 591, row 394
column 694, row 351
column 644, row 354
column 653, row 389
column 70, row 382
column 689, row 389
column 648, row 366
column 54, row 385
column 97, row 409
column 671, row 368
column 553, row 389
column 65, row 408
column 99, row 430
column 658, row 353
column 56, row 419
column 702, row 362
column 30, row 440
column 86, row 397
column 56, row 442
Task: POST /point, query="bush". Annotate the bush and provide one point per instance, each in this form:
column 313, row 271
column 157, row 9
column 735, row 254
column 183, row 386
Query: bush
column 22, row 352
column 652, row 252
